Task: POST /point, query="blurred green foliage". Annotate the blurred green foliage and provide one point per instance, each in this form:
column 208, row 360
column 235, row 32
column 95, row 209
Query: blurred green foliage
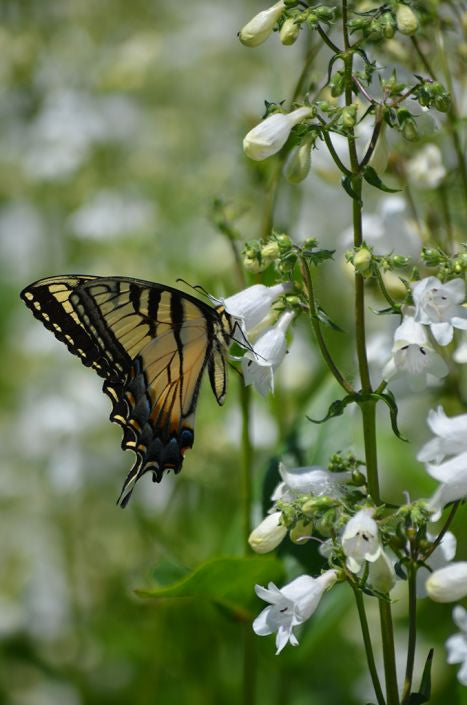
column 121, row 122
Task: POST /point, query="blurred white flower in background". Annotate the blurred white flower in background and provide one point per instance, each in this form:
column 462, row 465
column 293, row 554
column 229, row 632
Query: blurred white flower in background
column 388, row 230
column 456, row 645
column 22, row 233
column 460, row 354
column 110, row 214
column 452, row 475
column 68, row 126
column 450, row 436
column 426, row 170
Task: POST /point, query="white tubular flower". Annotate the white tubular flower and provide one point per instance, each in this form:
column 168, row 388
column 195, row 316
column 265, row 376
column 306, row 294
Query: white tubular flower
column 360, row 541
column 269, row 351
column 268, row 535
column 451, row 436
column 312, row 480
column 426, row 169
column 260, row 27
column 442, row 555
column 269, row 136
column 453, row 477
column 439, row 306
column 460, row 354
column 413, row 357
column 456, row 645
column 381, row 575
column 448, row 584
column 290, row 606
column 251, row 305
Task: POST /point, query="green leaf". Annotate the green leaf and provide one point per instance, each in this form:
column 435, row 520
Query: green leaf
column 228, row 582
column 336, row 408
column 318, row 256
column 424, row 694
column 324, row 318
column 384, row 311
column 390, row 401
column 370, row 175
column 347, row 186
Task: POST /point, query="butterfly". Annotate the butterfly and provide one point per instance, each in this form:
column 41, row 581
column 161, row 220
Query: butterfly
column 152, row 345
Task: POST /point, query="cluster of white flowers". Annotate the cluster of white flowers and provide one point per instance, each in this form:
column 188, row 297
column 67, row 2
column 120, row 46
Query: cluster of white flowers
column 252, row 309
column 437, row 306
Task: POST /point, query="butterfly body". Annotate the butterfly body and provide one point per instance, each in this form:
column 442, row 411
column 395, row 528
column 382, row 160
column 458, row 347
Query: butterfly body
column 152, row 345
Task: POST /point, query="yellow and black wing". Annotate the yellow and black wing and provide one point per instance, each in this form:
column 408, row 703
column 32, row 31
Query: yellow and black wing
column 151, row 343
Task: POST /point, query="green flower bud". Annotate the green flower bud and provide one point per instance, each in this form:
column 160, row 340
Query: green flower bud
column 310, row 243
column 406, row 19
column 362, row 260
column 292, row 301
column 337, row 84
column 287, row 263
column 289, row 32
column 388, row 25
column 358, row 478
column 325, row 525
column 349, row 116
column 317, row 503
column 431, row 257
column 284, row 241
column 409, row 130
column 270, row 252
column 301, row 530
column 297, row 166
column 442, row 103
column 252, row 265
column 376, row 29
column 325, row 14
column 399, row 261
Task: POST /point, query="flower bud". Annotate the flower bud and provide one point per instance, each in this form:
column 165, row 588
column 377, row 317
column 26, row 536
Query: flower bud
column 337, row 84
column 406, row 19
column 269, row 136
column 300, row 531
column 284, row 241
column 381, row 574
column 399, row 261
column 431, row 256
column 358, row 478
column 349, row 116
column 448, row 584
column 260, row 27
column 267, row 535
column 442, row 103
column 362, row 260
column 325, row 14
column 297, row 166
column 409, row 130
column 270, row 252
column 388, row 25
column 289, row 32
column 252, row 264
column 317, row 503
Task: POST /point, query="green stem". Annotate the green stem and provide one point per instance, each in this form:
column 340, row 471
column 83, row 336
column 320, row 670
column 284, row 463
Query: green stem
column 387, row 636
column 317, row 329
column 328, row 41
column 412, row 587
column 368, row 645
column 333, row 153
column 247, row 462
column 368, row 409
column 385, row 292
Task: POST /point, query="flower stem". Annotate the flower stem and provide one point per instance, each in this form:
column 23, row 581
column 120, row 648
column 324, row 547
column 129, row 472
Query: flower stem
column 412, row 584
column 247, row 461
column 387, row 636
column 368, row 645
column 317, row 329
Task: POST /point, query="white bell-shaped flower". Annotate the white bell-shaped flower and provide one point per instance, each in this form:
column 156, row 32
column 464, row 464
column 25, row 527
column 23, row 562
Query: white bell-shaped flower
column 260, row 27
column 269, row 136
column 251, row 305
column 442, row 555
column 360, row 540
column 381, row 575
column 268, row 534
column 313, row 480
column 258, row 366
column 448, row 584
column 450, row 436
column 413, row 357
column 290, row 606
column 426, row 169
column 456, row 645
column 453, row 478
column 439, row 306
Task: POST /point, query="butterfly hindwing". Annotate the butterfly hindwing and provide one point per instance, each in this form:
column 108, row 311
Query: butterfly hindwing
column 152, row 345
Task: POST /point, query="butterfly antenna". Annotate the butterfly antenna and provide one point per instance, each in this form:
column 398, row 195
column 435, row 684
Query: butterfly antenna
column 195, row 287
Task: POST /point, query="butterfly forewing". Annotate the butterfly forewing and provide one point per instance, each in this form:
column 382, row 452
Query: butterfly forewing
column 152, row 344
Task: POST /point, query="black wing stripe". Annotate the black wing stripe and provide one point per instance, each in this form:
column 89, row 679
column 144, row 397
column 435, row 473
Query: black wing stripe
column 153, row 307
